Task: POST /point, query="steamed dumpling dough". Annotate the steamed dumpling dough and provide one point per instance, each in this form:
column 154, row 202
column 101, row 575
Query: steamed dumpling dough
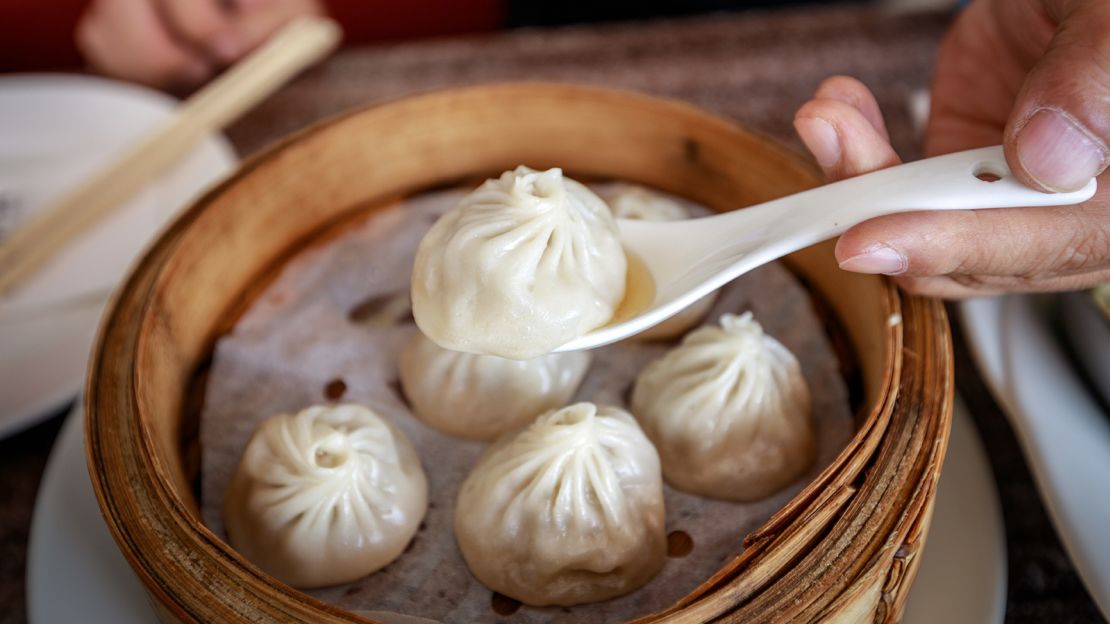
column 729, row 412
column 479, row 397
column 326, row 496
column 524, row 264
column 568, row 511
column 639, row 203
column 636, row 202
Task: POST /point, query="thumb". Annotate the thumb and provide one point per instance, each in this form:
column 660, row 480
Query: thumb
column 1057, row 135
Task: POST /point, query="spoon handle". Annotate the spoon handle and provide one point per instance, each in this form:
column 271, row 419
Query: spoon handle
column 689, row 259
column 972, row 179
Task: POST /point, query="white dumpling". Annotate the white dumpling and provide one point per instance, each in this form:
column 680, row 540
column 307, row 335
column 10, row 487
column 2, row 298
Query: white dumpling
column 641, row 204
column 480, row 397
column 525, row 263
column 568, row 511
column 326, row 496
column 729, row 412
column 636, row 202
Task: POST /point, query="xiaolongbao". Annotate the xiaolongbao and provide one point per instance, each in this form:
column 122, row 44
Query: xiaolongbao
column 640, row 204
column 326, row 496
column 524, row 264
column 729, row 412
column 636, row 202
column 480, row 397
column 568, row 511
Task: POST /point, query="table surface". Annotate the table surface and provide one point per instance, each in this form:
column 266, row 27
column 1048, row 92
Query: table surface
column 755, row 67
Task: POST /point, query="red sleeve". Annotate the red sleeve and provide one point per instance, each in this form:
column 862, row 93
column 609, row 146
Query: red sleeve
column 379, row 20
column 38, row 34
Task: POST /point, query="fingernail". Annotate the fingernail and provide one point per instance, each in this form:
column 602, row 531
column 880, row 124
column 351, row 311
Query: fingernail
column 877, row 258
column 1059, row 153
column 820, row 138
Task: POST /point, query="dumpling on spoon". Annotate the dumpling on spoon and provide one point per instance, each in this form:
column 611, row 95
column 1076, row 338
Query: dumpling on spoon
column 524, row 264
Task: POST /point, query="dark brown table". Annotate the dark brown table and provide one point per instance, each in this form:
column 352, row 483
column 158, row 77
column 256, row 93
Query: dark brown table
column 754, row 67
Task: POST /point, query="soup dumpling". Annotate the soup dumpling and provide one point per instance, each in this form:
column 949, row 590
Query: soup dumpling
column 568, row 511
column 325, row 496
column 524, row 264
column 628, row 201
column 480, row 397
column 729, row 411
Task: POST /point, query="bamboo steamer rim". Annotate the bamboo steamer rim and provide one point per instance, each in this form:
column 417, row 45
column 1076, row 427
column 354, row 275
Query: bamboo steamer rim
column 834, row 552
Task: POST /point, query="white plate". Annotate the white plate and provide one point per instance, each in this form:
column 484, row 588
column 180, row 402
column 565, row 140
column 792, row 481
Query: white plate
column 75, row 572
column 1062, row 430
column 1088, row 333
column 54, row 130
column 962, row 579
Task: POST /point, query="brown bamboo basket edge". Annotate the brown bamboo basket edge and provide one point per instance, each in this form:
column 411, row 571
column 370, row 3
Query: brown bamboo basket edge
column 834, row 498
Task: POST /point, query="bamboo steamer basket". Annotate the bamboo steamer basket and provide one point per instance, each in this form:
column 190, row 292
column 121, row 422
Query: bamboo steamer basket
column 845, row 549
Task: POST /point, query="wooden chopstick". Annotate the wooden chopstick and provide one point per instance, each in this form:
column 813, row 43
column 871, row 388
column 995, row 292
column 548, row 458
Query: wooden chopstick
column 237, row 90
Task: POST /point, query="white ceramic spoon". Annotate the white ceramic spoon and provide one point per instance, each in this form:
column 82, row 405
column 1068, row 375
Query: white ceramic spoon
column 689, row 259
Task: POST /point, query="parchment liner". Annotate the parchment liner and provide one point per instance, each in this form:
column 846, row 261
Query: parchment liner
column 298, row 338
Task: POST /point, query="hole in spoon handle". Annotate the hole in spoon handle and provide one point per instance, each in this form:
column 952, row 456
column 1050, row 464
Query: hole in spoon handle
column 987, row 171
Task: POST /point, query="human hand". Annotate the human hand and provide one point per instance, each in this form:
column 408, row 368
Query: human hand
column 1033, row 75
column 179, row 43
